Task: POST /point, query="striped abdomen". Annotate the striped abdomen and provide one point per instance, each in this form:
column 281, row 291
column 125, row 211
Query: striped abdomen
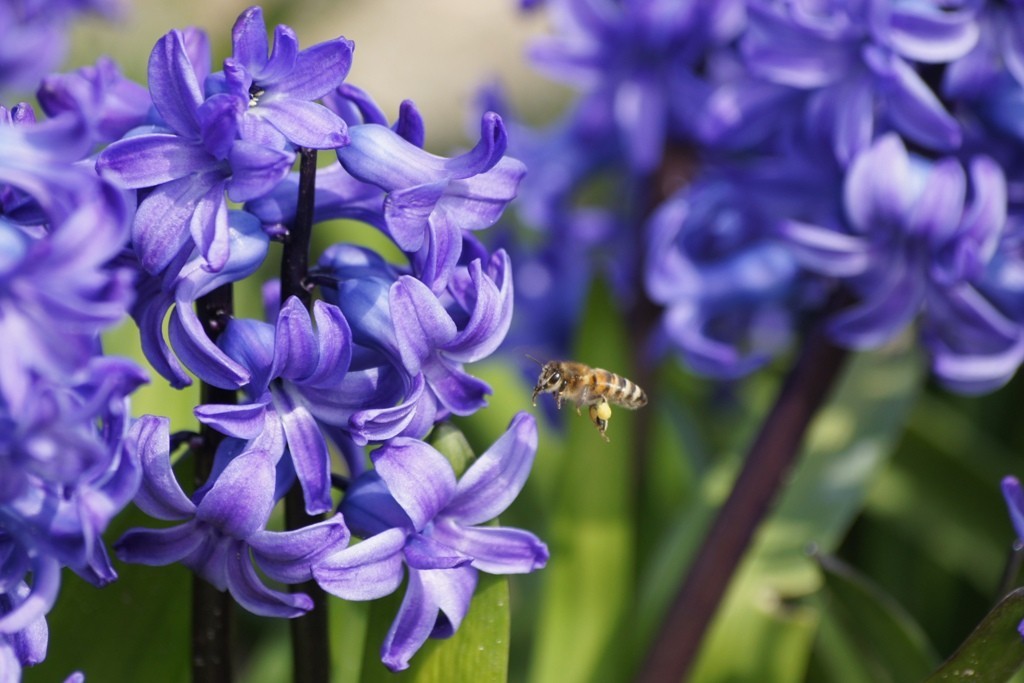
column 616, row 388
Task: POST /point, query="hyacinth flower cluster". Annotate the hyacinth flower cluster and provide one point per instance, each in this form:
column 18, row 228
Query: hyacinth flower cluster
column 151, row 201
column 67, row 464
column 768, row 163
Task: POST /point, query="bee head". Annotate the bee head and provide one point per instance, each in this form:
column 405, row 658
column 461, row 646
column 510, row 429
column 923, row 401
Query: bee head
column 549, row 380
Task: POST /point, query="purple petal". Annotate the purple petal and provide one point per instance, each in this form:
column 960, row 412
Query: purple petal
column 1015, row 503
column 251, row 344
column 424, row 552
column 318, row 70
column 160, row 495
column 886, row 311
column 412, row 625
column 334, row 339
column 421, row 323
column 407, row 211
column 208, row 226
column 240, row 421
column 929, row 34
column 478, row 202
column 496, row 550
column 281, row 63
column 491, row 314
column 911, row 105
column 173, row 84
column 249, row 39
column 367, row 570
column 306, row 124
column 159, row 547
column 370, row 509
column 986, row 216
column 240, row 501
column 310, row 456
column 250, row 592
column 295, row 348
column 201, row 355
column 256, row 169
column 150, row 160
column 160, row 230
column 494, row 480
column 878, row 188
column 289, row 556
column 940, row 205
column 34, row 606
column 459, row 392
column 418, row 477
column 826, row 251
column 451, row 590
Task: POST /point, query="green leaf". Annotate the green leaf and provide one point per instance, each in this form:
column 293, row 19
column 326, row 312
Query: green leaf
column 883, row 642
column 452, row 444
column 994, row 651
column 587, row 587
column 477, row 652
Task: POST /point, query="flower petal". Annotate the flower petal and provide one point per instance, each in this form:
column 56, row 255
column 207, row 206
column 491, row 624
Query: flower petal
column 289, row 556
column 199, row 354
column 496, row 550
column 306, row 124
column 412, row 625
column 251, row 593
column 367, row 570
column 240, row 501
column 424, row 552
column 173, row 84
column 159, row 547
column 495, row 478
column 418, row 477
column 421, row 323
column 160, row 495
column 310, row 456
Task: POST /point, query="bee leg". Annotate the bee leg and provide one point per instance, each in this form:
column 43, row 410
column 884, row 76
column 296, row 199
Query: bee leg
column 558, row 400
column 600, row 413
column 582, row 401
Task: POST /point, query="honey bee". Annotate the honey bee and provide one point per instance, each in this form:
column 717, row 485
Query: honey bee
column 586, row 386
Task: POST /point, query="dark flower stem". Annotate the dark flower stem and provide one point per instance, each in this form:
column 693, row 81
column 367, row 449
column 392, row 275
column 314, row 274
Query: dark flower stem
column 768, row 461
column 211, row 608
column 310, row 652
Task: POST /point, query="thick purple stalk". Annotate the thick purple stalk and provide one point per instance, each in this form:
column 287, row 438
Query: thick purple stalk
column 769, row 460
column 211, row 608
column 310, row 651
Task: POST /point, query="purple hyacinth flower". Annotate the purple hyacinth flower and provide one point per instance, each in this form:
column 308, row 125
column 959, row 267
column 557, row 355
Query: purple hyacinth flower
column 637, row 62
column 294, row 373
column 180, row 287
column 416, row 518
column 60, row 231
column 190, row 166
column 430, row 199
column 107, row 103
column 728, row 286
column 223, row 536
column 856, row 63
column 425, row 336
column 920, row 244
column 279, row 89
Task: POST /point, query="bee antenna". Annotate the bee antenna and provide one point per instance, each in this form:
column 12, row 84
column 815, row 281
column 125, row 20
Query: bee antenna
column 533, row 359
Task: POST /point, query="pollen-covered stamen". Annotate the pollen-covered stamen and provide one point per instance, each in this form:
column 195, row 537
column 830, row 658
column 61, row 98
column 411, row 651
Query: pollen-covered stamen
column 255, row 92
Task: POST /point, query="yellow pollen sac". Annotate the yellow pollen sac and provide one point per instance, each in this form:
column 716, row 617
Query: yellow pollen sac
column 604, row 411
